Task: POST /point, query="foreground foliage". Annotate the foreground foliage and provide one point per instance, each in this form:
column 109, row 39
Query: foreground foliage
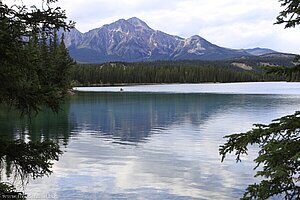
column 33, row 66
column 290, row 15
column 25, row 160
column 278, row 161
column 8, row 191
column 279, row 157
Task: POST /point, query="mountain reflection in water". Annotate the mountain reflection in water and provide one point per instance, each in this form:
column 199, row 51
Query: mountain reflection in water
column 134, row 116
column 147, row 145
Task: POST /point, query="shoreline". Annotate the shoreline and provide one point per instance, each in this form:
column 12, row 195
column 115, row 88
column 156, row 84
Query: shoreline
column 137, row 84
column 215, row 88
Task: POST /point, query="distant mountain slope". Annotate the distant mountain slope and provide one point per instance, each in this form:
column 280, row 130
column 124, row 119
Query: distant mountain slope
column 259, row 51
column 133, row 40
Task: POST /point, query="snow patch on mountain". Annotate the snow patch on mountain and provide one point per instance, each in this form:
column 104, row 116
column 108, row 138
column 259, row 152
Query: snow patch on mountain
column 133, row 40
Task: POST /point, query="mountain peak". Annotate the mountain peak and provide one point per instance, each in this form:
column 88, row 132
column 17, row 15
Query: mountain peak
column 133, row 40
column 118, row 22
column 196, row 37
column 137, row 22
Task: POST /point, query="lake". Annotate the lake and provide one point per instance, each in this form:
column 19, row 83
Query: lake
column 152, row 142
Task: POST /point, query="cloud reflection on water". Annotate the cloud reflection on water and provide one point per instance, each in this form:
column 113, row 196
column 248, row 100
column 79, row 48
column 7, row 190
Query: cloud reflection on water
column 173, row 151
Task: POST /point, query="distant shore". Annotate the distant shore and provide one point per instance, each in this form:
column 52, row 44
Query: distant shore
column 137, row 84
column 217, row 88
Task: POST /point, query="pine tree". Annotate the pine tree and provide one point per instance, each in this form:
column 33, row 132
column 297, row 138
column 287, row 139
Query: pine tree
column 25, row 74
column 29, row 80
column 279, row 142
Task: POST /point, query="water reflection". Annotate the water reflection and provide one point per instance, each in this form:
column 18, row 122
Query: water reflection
column 133, row 117
column 46, row 125
column 173, row 151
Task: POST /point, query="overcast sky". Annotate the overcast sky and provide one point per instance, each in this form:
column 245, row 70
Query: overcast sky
column 228, row 23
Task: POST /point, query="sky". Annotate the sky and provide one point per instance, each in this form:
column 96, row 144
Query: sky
column 228, row 23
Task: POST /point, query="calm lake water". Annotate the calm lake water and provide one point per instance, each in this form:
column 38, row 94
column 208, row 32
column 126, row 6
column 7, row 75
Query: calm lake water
column 120, row 145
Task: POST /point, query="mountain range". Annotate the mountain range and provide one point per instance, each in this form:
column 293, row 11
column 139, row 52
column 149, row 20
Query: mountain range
column 133, row 40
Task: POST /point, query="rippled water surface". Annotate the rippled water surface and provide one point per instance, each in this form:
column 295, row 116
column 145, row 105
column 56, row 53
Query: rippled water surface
column 147, row 145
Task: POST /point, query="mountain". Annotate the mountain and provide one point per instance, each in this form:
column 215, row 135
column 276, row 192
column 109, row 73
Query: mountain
column 260, row 51
column 133, row 40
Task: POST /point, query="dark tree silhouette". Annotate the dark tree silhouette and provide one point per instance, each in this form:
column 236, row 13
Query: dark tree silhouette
column 33, row 73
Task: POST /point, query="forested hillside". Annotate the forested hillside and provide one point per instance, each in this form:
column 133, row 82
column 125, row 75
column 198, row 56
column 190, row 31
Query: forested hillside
column 165, row 72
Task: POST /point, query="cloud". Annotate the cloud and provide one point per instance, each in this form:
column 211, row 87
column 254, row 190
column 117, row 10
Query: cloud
column 228, row 23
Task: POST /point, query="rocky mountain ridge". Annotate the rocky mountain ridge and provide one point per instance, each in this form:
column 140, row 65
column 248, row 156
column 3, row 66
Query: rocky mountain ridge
column 133, row 40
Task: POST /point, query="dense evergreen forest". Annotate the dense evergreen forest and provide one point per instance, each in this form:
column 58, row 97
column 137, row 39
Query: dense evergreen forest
column 166, row 72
